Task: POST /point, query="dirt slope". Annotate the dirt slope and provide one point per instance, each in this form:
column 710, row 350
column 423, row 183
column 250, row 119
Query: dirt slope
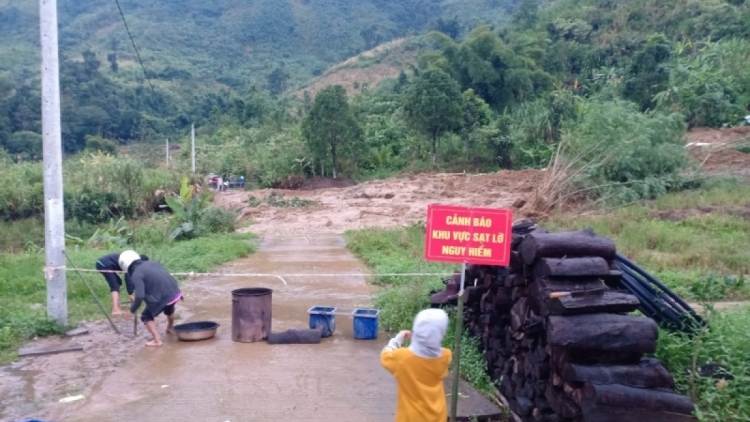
column 367, row 69
column 715, row 149
column 392, row 202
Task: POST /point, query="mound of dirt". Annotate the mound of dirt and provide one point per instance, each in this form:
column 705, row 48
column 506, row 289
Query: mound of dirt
column 394, row 202
column 714, row 150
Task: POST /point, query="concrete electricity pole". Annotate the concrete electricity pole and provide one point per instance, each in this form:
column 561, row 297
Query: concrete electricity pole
column 192, row 136
column 54, row 217
column 167, row 152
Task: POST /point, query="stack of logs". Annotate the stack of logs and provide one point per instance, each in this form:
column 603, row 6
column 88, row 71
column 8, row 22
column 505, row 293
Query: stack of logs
column 559, row 340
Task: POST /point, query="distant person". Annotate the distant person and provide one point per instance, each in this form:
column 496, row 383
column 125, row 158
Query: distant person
column 155, row 286
column 109, row 263
column 219, row 184
column 421, row 368
column 241, row 182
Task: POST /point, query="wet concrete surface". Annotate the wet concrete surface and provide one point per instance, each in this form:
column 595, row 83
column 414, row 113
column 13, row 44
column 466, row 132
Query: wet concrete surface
column 221, row 380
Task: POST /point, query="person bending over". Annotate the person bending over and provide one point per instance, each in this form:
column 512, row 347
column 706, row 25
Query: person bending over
column 155, row 286
column 108, row 263
column 420, row 369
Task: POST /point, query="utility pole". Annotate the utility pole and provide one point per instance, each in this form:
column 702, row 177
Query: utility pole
column 167, row 152
column 192, row 136
column 54, row 217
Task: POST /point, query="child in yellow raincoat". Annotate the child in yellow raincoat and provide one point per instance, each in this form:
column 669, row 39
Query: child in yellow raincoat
column 420, row 368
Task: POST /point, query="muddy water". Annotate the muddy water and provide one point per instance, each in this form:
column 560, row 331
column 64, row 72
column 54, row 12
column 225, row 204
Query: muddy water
column 221, row 380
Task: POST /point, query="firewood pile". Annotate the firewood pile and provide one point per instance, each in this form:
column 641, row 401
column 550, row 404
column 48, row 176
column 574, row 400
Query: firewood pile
column 559, row 340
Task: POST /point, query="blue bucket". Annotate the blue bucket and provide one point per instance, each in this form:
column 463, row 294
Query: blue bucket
column 321, row 318
column 366, row 324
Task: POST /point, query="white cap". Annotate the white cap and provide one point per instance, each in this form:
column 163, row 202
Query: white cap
column 127, row 258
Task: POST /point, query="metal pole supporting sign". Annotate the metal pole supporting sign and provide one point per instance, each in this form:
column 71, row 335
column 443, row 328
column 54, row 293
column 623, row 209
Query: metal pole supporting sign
column 457, row 347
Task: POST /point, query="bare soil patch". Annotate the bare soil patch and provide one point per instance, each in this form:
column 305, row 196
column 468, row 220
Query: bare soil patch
column 678, row 215
column 367, row 69
column 394, row 202
column 714, row 150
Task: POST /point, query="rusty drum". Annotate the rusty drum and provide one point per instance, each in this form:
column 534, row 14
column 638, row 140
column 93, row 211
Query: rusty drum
column 251, row 314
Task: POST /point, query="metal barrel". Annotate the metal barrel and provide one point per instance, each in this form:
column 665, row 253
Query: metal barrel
column 251, row 314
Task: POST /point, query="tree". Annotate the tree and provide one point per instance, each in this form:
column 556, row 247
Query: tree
column 112, row 59
column 433, row 104
column 649, row 73
column 277, row 81
column 476, row 114
column 527, row 14
column 95, row 143
column 25, row 145
column 330, row 126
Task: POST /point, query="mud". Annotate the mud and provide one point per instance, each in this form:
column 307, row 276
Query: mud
column 222, row 380
column 33, row 386
column 387, row 203
column 714, row 151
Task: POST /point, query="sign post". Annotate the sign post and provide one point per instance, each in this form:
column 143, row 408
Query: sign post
column 470, row 236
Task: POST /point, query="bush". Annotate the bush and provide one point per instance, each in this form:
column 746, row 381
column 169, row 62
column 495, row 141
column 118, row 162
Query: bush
column 97, row 187
column 216, row 220
column 616, row 154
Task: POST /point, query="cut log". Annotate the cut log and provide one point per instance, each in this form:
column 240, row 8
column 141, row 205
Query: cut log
column 600, row 413
column 603, row 332
column 571, row 267
column 293, row 336
column 515, row 262
column 566, row 244
column 616, row 395
column 561, row 356
column 561, row 404
column 503, row 299
column 610, row 302
column 518, row 314
column 649, row 373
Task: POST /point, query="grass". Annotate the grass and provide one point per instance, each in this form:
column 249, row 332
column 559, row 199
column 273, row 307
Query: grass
column 722, row 343
column 689, row 250
column 401, row 298
column 23, row 287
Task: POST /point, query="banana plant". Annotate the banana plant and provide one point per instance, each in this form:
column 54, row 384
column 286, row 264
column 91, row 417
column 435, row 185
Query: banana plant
column 186, row 208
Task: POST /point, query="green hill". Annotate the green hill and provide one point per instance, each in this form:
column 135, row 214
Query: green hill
column 197, row 53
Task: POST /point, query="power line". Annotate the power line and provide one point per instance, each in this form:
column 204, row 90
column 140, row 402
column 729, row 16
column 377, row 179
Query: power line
column 134, row 47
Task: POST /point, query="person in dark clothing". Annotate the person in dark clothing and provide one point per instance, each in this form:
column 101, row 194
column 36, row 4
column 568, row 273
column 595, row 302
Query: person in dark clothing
column 110, row 263
column 155, row 286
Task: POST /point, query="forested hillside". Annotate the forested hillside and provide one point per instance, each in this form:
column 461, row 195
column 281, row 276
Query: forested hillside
column 613, row 86
column 198, row 55
column 608, row 87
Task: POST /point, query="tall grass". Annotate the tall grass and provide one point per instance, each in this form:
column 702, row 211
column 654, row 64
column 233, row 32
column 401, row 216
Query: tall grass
column 675, row 240
column 97, row 187
column 23, row 287
column 725, row 341
column 401, row 298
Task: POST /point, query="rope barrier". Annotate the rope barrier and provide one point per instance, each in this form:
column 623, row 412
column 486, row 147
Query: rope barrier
column 192, row 273
column 48, row 271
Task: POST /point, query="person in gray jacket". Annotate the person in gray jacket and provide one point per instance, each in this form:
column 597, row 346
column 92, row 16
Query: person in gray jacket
column 155, row 286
